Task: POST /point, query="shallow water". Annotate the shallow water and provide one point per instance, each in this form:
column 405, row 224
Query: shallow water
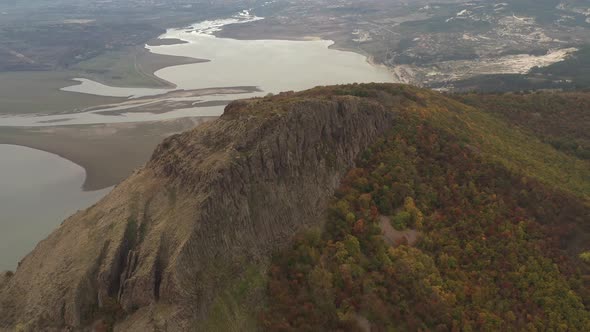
column 271, row 65
column 37, row 191
column 91, row 87
column 94, row 116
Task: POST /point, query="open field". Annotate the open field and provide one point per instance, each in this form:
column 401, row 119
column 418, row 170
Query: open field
column 43, row 44
column 130, row 67
column 39, row 91
column 57, row 35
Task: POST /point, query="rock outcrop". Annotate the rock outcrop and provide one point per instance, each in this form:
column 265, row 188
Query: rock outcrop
column 209, row 202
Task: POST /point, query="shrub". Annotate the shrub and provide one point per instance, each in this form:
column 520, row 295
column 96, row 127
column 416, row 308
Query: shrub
column 401, row 220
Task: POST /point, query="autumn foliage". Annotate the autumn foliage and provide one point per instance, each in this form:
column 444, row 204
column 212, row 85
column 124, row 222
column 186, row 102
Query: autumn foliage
column 495, row 251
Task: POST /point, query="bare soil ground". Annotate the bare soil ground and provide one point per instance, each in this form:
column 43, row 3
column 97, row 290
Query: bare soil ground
column 131, row 67
column 164, row 103
column 39, row 91
column 394, row 237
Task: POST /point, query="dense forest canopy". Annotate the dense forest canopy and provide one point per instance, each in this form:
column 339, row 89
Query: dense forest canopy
column 431, row 232
column 560, row 119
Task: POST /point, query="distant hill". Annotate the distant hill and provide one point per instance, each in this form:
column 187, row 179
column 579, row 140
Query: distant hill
column 355, row 207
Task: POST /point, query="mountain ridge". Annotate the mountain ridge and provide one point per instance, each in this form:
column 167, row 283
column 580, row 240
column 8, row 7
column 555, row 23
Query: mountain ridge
column 185, row 242
column 158, row 236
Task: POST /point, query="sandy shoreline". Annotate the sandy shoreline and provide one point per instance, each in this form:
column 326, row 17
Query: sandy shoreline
column 159, row 104
column 108, row 152
column 134, row 68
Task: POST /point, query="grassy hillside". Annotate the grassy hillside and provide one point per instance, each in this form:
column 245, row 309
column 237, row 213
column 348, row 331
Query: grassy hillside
column 454, row 221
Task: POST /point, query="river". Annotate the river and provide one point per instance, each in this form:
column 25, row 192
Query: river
column 38, row 190
column 271, row 65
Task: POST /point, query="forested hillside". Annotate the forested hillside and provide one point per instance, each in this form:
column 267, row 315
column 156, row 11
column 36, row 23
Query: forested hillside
column 560, row 119
column 445, row 225
column 373, row 207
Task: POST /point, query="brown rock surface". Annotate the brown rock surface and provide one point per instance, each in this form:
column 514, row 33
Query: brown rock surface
column 168, row 238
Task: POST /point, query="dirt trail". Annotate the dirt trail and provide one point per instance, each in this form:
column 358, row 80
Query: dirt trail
column 394, row 237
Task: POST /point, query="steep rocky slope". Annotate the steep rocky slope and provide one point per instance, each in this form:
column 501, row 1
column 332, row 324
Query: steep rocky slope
column 210, row 202
column 186, row 242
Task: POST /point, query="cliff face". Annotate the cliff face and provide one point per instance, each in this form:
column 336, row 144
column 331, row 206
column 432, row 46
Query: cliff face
column 210, row 202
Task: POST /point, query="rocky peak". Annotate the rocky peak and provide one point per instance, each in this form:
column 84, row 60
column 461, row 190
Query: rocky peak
column 210, row 202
